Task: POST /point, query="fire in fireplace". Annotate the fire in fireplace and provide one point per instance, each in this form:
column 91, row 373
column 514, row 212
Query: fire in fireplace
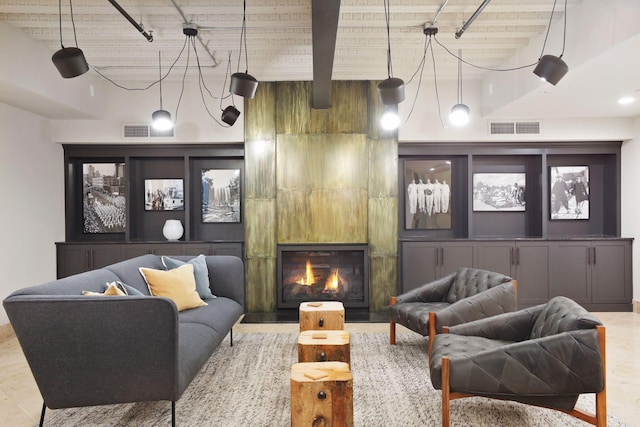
column 323, row 273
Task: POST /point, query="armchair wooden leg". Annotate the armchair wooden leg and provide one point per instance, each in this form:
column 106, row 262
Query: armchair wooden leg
column 445, row 392
column 392, row 325
column 601, row 398
column 432, row 330
column 44, row 409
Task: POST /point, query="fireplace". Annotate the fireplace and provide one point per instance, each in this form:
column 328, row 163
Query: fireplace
column 323, row 272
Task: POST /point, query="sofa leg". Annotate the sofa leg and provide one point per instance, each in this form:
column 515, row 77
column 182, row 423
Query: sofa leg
column 231, row 336
column 392, row 325
column 173, row 413
column 44, row 409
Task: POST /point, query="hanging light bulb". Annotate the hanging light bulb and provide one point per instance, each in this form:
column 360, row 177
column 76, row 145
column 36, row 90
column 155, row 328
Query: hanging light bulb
column 390, row 120
column 243, row 84
column 161, row 119
column 460, row 113
column 69, row 61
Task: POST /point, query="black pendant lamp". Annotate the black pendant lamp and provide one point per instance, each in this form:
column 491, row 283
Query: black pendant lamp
column 161, row 119
column 390, row 90
column 551, row 69
column 69, row 61
column 243, row 84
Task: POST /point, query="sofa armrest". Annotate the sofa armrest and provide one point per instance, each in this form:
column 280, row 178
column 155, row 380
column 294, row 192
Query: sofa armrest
column 514, row 326
column 226, row 277
column 491, row 302
column 435, row 291
column 86, row 351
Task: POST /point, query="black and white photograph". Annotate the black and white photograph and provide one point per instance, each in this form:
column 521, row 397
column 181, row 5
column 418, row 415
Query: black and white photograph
column 220, row 195
column 163, row 195
column 499, row 192
column 103, row 198
column 569, row 192
column 428, row 194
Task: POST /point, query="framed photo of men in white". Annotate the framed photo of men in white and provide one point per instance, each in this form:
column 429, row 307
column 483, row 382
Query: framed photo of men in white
column 569, row 193
column 427, row 194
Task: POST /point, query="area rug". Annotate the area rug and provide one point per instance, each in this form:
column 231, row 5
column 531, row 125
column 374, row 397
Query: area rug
column 248, row 385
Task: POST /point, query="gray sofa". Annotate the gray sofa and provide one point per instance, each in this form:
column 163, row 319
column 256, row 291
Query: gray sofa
column 95, row 350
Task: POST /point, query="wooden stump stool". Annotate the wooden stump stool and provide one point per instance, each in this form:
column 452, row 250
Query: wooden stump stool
column 326, row 315
column 321, row 395
column 324, row 346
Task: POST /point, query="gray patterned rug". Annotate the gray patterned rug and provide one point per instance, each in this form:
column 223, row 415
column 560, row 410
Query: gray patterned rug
column 248, row 385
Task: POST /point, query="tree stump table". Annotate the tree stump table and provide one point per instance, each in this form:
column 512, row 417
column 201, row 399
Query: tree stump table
column 326, row 315
column 324, row 346
column 321, row 395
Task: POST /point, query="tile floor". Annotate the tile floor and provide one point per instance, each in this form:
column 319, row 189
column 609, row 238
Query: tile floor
column 20, row 401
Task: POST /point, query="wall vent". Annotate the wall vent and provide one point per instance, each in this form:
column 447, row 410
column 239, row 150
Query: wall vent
column 144, row 131
column 514, row 128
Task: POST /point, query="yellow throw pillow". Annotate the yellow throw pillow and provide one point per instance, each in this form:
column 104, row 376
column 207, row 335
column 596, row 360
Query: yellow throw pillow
column 112, row 290
column 178, row 284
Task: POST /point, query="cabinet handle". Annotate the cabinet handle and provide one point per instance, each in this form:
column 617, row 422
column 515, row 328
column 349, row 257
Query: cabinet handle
column 588, row 255
column 594, row 256
column 511, row 256
column 517, row 256
column 441, row 256
column 437, row 256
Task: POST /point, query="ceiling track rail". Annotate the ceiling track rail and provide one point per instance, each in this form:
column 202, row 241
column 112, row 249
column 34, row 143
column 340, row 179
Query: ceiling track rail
column 124, row 13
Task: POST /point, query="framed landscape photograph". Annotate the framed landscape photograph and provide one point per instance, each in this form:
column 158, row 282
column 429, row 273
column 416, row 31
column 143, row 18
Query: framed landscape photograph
column 220, row 195
column 163, row 195
column 569, row 192
column 499, row 192
column 428, row 189
column 103, row 198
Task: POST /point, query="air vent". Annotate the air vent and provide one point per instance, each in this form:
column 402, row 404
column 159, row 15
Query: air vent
column 144, row 131
column 515, row 128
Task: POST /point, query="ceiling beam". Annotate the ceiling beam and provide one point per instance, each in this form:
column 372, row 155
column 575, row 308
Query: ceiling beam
column 324, row 30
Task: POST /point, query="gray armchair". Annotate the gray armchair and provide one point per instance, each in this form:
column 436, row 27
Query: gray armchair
column 466, row 295
column 544, row 356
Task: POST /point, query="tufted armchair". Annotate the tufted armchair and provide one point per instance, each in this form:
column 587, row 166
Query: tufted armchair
column 466, row 295
column 545, row 356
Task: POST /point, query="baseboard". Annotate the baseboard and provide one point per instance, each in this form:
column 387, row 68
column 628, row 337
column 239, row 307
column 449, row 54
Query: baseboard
column 636, row 306
column 6, row 331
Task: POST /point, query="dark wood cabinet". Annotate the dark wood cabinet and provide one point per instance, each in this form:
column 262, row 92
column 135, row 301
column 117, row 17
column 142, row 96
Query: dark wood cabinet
column 73, row 258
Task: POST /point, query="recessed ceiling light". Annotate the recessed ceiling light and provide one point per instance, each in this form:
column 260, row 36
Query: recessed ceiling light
column 626, row 100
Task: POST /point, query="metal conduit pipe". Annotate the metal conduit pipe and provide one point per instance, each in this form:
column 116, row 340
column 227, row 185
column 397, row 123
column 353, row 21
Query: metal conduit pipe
column 124, row 13
column 473, row 18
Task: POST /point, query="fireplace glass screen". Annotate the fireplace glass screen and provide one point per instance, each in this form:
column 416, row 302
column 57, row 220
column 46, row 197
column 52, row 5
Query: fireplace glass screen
column 323, row 274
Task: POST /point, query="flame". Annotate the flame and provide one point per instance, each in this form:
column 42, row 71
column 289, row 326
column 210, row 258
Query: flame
column 332, row 281
column 309, row 279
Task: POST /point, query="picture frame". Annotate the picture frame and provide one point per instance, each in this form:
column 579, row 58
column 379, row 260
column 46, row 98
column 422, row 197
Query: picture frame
column 569, row 193
column 499, row 192
column 427, row 194
column 163, row 195
column 221, row 195
column 104, row 200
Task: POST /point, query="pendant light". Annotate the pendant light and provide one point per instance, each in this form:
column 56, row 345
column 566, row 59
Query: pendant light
column 391, row 90
column 69, row 61
column 459, row 115
column 552, row 68
column 230, row 114
column 161, row 119
column 243, row 84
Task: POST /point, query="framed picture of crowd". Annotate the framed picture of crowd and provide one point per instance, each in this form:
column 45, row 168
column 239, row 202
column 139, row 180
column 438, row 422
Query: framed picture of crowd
column 163, row 195
column 104, row 200
column 427, row 198
column 499, row 192
column 568, row 193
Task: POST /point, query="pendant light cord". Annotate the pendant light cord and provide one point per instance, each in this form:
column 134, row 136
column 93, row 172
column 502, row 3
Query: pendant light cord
column 549, row 27
column 160, row 76
column 243, row 39
column 60, row 21
column 73, row 23
column 386, row 17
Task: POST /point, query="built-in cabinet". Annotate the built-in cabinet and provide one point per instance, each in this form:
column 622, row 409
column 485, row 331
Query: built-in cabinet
column 584, row 259
column 85, row 250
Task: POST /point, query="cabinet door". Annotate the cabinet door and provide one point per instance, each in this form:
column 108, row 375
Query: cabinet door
column 454, row 255
column 196, row 249
column 72, row 259
column 234, row 249
column 168, row 249
column 132, row 250
column 103, row 255
column 531, row 263
column 570, row 270
column 611, row 272
column 497, row 256
column 419, row 264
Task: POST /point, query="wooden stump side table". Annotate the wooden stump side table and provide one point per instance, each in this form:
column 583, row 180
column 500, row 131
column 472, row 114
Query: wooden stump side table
column 321, row 394
column 325, row 315
column 324, row 346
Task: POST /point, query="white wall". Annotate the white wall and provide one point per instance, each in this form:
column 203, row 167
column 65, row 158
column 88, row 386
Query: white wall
column 631, row 200
column 32, row 214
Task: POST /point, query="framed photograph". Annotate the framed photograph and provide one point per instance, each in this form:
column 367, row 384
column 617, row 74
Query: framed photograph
column 569, row 192
column 428, row 194
column 103, row 198
column 163, row 195
column 499, row 192
column 220, row 195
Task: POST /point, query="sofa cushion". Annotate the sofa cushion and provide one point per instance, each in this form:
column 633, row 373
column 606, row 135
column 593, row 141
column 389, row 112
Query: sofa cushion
column 178, row 285
column 200, row 272
column 127, row 271
column 112, row 290
column 128, row 290
column 562, row 314
column 471, row 281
